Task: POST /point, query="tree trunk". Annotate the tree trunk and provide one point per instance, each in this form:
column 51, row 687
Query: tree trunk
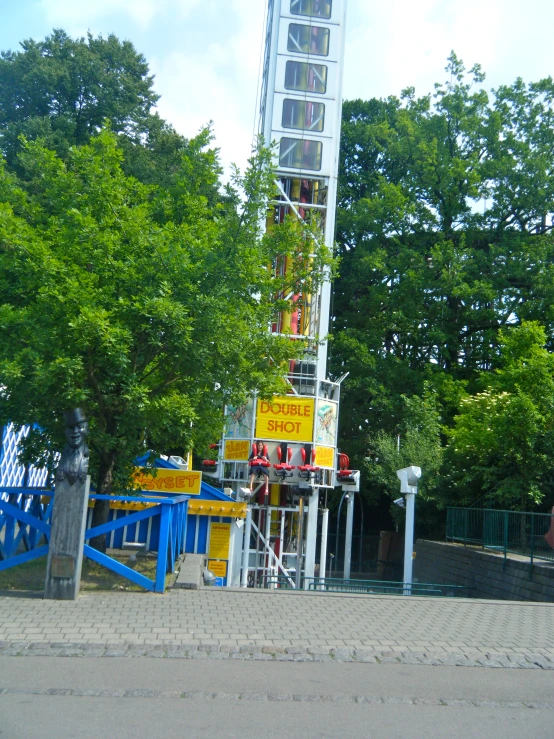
column 102, row 507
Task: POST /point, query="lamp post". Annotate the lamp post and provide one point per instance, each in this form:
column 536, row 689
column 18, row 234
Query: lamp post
column 348, row 535
column 408, row 477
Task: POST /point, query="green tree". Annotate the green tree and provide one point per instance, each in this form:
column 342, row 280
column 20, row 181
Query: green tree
column 417, row 442
column 502, row 442
column 63, row 90
column 445, row 229
column 147, row 306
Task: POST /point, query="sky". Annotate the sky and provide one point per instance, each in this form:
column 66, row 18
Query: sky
column 205, row 54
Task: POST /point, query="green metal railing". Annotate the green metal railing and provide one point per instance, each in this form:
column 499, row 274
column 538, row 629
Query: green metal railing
column 506, row 532
column 384, row 587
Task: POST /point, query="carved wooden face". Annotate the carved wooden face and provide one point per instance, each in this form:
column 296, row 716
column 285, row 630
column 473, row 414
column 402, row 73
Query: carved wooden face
column 77, row 434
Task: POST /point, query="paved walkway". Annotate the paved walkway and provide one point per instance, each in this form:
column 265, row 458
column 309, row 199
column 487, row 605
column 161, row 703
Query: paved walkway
column 219, row 624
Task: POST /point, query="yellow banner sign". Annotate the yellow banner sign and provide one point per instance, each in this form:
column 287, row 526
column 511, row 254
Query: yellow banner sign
column 218, row 567
column 324, row 456
column 286, row 418
column 236, row 450
column 170, row 481
column 220, row 536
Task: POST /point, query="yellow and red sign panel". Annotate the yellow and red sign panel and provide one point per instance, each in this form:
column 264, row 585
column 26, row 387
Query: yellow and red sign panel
column 236, row 450
column 170, row 481
column 286, row 418
column 325, row 456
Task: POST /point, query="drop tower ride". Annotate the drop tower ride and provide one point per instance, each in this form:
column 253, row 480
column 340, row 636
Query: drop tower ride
column 300, row 117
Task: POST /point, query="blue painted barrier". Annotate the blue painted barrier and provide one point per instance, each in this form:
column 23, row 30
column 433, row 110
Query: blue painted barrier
column 25, row 522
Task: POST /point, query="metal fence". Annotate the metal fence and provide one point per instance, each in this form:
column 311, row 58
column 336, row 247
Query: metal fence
column 380, row 587
column 365, row 549
column 526, row 534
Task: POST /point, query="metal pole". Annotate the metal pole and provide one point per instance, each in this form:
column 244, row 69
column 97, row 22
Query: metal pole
column 360, row 548
column 246, row 547
column 409, row 542
column 348, row 541
column 311, row 537
column 267, row 558
column 532, row 552
column 337, row 531
column 323, row 550
column 299, row 543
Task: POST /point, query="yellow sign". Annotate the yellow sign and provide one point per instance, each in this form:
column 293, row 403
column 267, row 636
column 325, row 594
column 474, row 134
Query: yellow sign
column 324, row 456
column 218, row 567
column 287, row 418
column 170, row 481
column 220, row 536
column 236, row 450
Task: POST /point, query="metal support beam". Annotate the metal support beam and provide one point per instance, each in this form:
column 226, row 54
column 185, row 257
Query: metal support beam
column 300, row 544
column 323, row 550
column 311, row 536
column 246, row 547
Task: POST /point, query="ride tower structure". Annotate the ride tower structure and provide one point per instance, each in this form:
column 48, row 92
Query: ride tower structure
column 300, row 117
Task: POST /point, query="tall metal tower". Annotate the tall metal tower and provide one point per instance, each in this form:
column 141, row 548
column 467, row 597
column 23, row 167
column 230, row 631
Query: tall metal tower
column 300, row 118
column 301, row 104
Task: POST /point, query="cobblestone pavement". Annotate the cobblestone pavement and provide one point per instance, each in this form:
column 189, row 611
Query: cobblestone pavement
column 229, row 624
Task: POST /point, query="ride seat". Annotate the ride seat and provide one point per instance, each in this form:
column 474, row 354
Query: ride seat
column 283, row 469
column 256, row 461
column 308, row 468
column 281, row 453
column 210, row 464
column 344, row 474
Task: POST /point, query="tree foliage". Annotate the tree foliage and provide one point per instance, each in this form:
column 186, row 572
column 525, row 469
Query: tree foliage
column 63, row 90
column 146, row 306
column 502, row 441
column 445, row 229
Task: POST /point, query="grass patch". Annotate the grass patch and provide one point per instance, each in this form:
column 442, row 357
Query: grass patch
column 30, row 575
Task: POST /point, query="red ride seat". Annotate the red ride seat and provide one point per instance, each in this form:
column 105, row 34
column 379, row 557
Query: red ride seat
column 344, row 473
column 210, row 463
column 284, row 466
column 257, row 461
column 307, row 469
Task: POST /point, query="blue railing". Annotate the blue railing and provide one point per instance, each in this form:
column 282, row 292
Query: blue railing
column 513, row 532
column 25, row 515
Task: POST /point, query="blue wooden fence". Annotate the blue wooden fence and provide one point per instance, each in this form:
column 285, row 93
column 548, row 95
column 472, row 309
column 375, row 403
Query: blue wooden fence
column 25, row 515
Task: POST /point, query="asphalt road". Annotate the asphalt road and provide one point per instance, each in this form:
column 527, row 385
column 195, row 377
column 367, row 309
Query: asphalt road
column 44, row 697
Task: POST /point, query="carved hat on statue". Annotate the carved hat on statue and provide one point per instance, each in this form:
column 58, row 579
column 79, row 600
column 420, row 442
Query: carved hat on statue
column 74, row 416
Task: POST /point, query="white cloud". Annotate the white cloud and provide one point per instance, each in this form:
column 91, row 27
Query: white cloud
column 72, row 14
column 401, row 43
column 206, row 53
column 220, row 84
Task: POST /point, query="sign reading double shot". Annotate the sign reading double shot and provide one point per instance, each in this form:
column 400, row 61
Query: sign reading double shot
column 286, row 418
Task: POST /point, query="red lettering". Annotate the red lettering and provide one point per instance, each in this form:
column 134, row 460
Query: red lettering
column 169, row 483
column 180, row 481
column 264, row 408
column 192, row 480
